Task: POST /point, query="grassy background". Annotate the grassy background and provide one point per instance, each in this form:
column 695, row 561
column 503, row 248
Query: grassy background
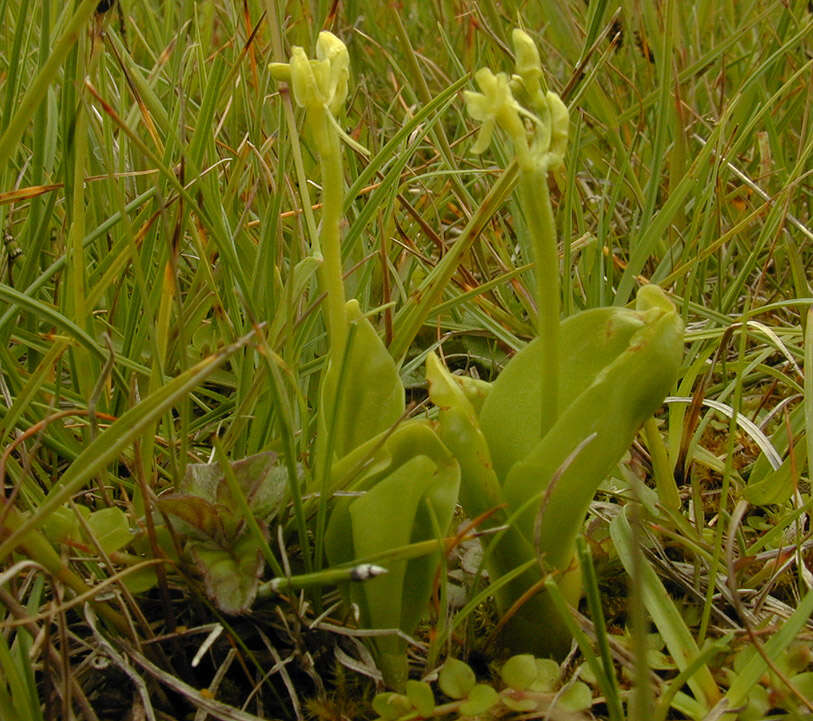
column 157, row 204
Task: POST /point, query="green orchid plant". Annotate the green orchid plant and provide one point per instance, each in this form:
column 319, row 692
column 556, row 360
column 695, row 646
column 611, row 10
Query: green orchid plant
column 529, row 449
column 405, row 480
column 564, row 410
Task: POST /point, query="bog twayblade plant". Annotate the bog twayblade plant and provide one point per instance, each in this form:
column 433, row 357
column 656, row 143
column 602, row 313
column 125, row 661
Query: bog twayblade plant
column 537, row 442
column 408, row 490
column 567, row 407
column 320, row 87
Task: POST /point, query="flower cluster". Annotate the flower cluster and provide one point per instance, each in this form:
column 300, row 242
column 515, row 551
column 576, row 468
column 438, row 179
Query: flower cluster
column 496, row 105
column 319, row 82
column 319, row 86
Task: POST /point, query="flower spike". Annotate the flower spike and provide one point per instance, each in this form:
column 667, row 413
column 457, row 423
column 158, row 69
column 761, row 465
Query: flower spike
column 320, row 82
column 541, row 145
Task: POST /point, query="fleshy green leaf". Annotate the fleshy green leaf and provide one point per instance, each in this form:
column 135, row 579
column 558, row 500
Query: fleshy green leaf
column 519, row 672
column 371, row 397
column 456, row 679
column 110, row 528
column 803, row 683
column 393, row 514
column 589, row 342
column 62, row 525
column 480, row 699
column 548, row 674
column 516, row 702
column 576, row 697
column 757, row 706
column 369, row 464
column 421, row 697
column 391, row 706
column 628, row 368
column 142, row 580
column 410, row 496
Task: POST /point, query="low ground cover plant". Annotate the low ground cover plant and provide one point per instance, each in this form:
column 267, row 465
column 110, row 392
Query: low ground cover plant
column 380, row 381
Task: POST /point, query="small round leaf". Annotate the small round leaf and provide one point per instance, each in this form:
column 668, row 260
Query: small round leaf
column 577, row 697
column 421, row 697
column 390, row 706
column 456, row 678
column 547, row 675
column 519, row 672
column 516, row 702
column 481, row 698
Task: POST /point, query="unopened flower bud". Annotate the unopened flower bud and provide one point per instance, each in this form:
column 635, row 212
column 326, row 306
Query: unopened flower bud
column 303, row 80
column 528, row 64
column 559, row 121
column 321, row 82
column 281, row 72
column 329, row 48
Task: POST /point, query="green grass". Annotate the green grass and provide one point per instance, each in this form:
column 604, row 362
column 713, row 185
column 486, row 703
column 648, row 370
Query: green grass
column 158, row 293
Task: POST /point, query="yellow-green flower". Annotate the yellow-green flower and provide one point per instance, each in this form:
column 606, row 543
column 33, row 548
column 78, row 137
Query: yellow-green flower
column 542, row 144
column 319, row 85
column 320, row 82
column 559, row 122
column 495, row 105
column 528, row 66
column 333, row 51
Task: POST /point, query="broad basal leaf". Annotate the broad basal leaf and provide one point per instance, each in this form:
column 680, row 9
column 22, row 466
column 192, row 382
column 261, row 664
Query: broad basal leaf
column 262, row 479
column 589, row 342
column 413, row 501
column 110, row 529
column 231, row 576
column 367, row 389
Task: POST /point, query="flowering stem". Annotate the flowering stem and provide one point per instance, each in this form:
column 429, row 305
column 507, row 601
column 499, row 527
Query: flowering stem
column 330, row 272
column 332, row 284
column 319, row 86
column 495, row 106
column 534, row 199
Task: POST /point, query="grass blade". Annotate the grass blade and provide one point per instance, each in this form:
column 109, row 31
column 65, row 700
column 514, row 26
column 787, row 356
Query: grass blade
column 39, row 86
column 108, row 445
column 665, row 614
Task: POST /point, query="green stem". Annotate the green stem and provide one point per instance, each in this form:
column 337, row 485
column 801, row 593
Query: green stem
column 534, row 199
column 668, row 492
column 329, row 577
column 330, row 273
column 332, row 283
